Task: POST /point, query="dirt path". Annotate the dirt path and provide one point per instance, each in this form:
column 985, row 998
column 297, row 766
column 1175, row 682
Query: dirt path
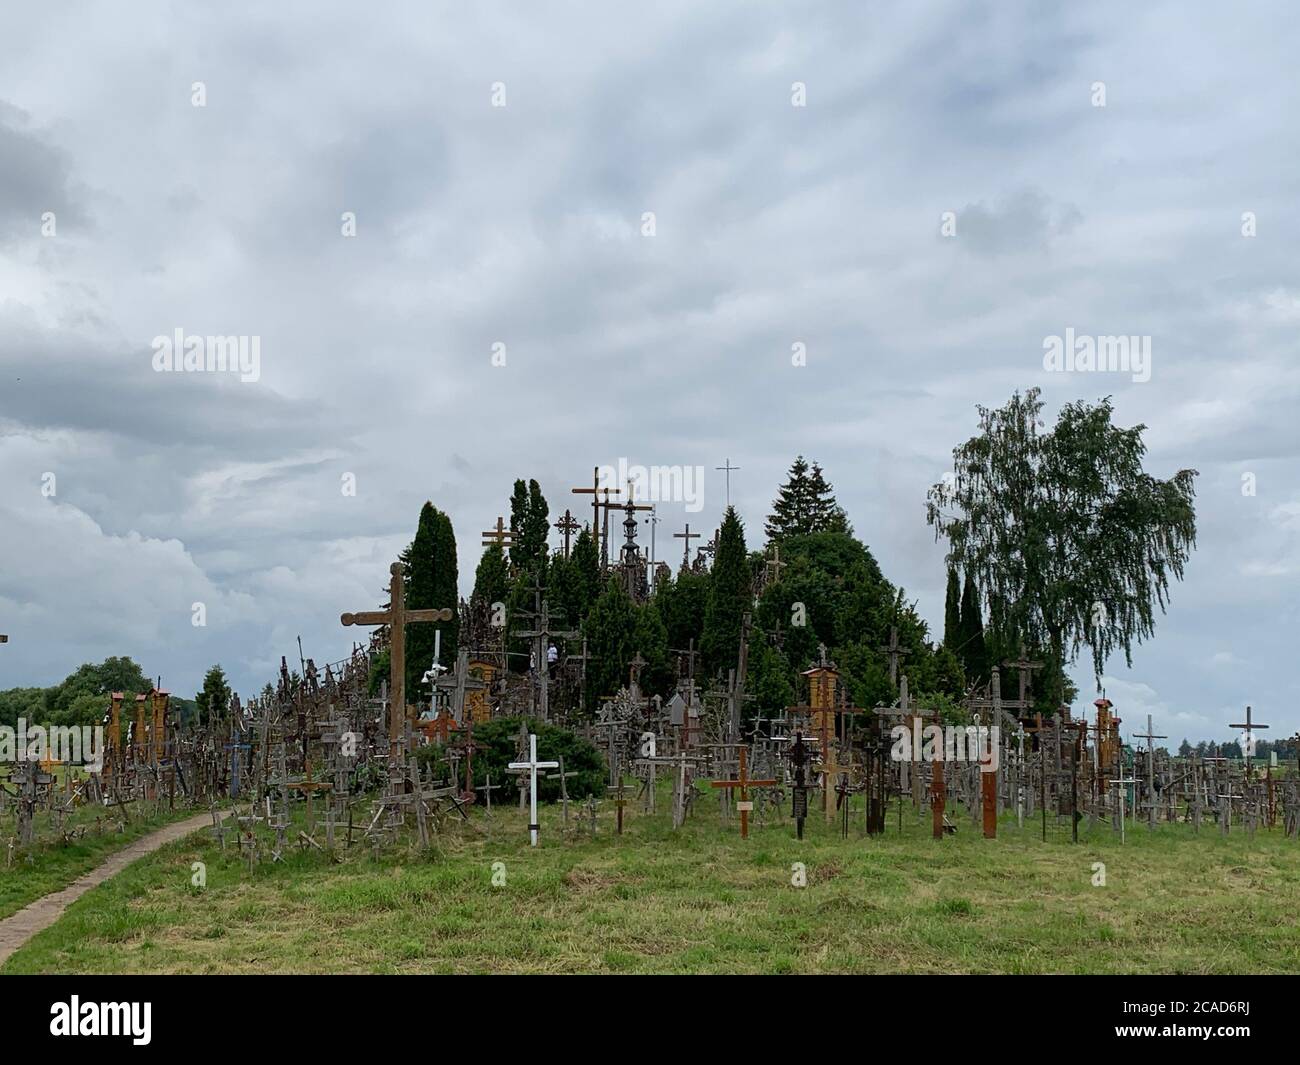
column 39, row 915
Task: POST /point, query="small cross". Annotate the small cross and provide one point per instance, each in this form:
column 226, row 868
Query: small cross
column 743, row 783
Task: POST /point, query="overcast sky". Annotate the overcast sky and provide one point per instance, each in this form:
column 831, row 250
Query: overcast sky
column 523, row 225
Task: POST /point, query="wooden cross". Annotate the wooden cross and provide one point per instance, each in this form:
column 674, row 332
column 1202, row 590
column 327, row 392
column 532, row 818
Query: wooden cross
column 686, row 536
column 774, row 565
column 895, row 652
column 595, row 491
column 1150, row 737
column 1249, row 749
column 542, row 634
column 487, row 790
column 1026, row 668
column 563, row 778
column 799, row 786
column 743, row 783
column 568, row 525
column 619, row 796
column 499, row 536
column 531, row 767
column 396, row 617
column 309, row 787
column 727, row 471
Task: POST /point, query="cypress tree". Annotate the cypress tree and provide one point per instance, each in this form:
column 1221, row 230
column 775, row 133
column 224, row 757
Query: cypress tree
column 952, row 612
column 973, row 650
column 730, row 595
column 430, row 583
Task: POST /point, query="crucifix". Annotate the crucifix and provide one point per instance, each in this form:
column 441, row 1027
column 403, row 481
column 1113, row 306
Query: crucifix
column 687, row 537
column 567, row 525
column 727, row 471
column 743, row 783
column 531, row 767
column 396, row 617
column 1248, row 737
column 895, row 652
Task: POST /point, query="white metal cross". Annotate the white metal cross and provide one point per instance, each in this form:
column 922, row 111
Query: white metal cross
column 531, row 767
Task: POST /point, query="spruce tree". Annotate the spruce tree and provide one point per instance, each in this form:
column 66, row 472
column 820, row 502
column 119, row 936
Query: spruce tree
column 730, row 595
column 213, row 702
column 790, row 510
column 825, row 514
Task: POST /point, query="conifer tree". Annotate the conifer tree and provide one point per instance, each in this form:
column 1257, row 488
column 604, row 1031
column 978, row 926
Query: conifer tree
column 972, row 648
column 431, row 579
column 952, row 611
column 492, row 577
column 730, row 595
column 584, row 565
column 213, row 702
column 611, row 641
column 792, row 510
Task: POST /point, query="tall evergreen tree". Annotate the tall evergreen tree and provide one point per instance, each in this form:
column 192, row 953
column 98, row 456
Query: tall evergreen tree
column 611, row 641
column 430, row 583
column 213, row 701
column 537, row 525
column 952, row 611
column 584, row 565
column 518, row 519
column 492, row 577
column 972, row 648
column 650, row 639
column 730, row 595
column 793, row 509
column 825, row 514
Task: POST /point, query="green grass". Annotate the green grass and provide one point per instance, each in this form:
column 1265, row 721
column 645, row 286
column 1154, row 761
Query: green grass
column 701, row 901
column 49, row 865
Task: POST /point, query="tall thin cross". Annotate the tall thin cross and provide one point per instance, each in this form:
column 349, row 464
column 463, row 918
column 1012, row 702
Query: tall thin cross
column 396, row 617
column 542, row 635
column 567, row 525
column 531, row 767
column 895, row 652
column 687, row 536
column 1150, row 737
column 595, row 491
column 1249, row 737
column 727, row 471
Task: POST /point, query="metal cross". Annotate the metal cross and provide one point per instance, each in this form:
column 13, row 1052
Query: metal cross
column 728, row 468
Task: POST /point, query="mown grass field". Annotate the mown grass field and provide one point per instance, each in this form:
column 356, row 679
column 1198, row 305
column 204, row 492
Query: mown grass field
column 702, row 901
column 48, row 864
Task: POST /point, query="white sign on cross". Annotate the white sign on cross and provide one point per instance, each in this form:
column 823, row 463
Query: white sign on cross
column 531, row 767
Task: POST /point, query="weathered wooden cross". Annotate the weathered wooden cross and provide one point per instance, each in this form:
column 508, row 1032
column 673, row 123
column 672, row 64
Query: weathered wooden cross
column 396, row 617
column 687, row 537
column 1248, row 735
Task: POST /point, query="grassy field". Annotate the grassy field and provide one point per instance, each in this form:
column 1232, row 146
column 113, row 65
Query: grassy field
column 702, row 901
column 49, row 865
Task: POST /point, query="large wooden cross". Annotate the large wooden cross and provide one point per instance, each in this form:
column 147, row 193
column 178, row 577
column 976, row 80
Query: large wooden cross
column 743, row 783
column 396, row 617
column 542, row 635
column 1150, row 737
column 599, row 498
column 1249, row 749
column 499, row 535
